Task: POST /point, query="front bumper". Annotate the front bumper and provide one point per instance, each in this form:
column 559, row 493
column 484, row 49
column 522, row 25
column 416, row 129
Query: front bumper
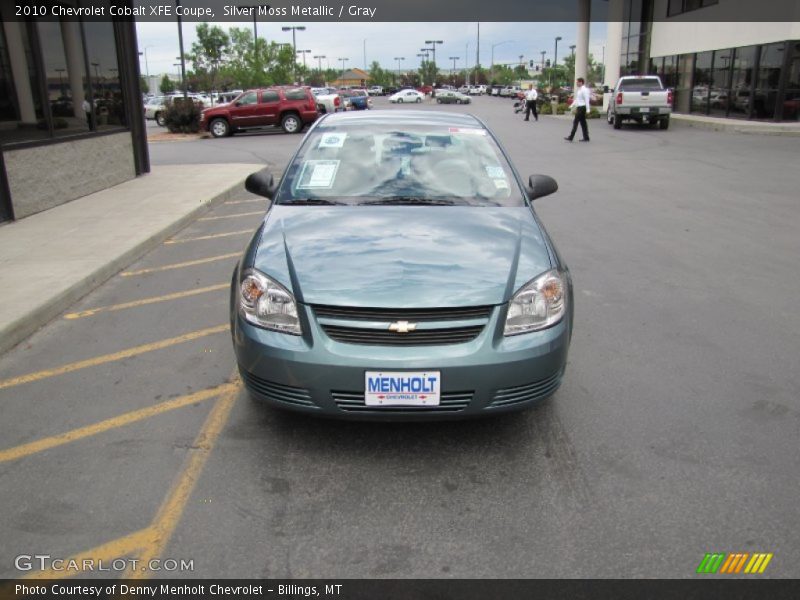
column 316, row 374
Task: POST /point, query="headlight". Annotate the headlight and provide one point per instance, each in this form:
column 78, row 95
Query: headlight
column 266, row 303
column 538, row 304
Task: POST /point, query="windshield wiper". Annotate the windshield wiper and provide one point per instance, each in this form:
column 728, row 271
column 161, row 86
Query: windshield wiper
column 415, row 200
column 318, row 201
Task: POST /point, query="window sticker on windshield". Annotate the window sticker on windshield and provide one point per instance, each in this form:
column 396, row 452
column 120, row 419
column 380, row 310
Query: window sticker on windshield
column 468, row 130
column 317, row 174
column 332, row 140
column 495, row 172
column 500, row 184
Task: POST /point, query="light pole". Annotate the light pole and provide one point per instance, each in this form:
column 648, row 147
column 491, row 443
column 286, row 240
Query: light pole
column 146, row 64
column 399, row 69
column 433, row 49
column 255, row 25
column 319, row 58
column 343, row 60
column 454, row 59
column 555, row 58
column 422, row 57
column 180, row 43
column 293, row 29
column 493, row 47
column 365, row 55
column 466, row 66
column 572, row 54
column 543, row 52
column 303, row 52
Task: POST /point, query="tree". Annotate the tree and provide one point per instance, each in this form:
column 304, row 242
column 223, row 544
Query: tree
column 167, row 85
column 379, row 76
column 592, row 77
column 428, row 72
column 208, row 53
column 143, row 85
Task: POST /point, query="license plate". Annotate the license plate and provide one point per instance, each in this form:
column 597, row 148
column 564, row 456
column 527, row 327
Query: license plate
column 644, row 110
column 402, row 388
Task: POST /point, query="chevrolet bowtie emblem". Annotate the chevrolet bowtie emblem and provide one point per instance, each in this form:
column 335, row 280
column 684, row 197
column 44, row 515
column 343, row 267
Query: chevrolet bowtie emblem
column 402, row 327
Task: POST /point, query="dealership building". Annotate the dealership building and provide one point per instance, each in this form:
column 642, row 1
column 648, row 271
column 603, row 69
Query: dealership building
column 716, row 64
column 70, row 109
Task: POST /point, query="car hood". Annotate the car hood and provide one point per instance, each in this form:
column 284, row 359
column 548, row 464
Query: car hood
column 389, row 256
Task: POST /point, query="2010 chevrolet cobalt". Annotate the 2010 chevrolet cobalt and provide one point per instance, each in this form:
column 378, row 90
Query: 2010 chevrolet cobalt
column 401, row 273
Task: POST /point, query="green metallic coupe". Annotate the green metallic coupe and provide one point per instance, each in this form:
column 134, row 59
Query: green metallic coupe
column 401, row 273
column 452, row 97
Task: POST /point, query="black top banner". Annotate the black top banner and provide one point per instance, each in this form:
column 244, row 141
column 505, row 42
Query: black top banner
column 400, row 10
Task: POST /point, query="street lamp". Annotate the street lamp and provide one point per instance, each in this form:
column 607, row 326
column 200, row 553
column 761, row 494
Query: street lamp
column 433, row 49
column 466, row 64
column 543, row 52
column 146, row 64
column 555, row 59
column 454, row 59
column 399, row 69
column 179, row 12
column 293, row 29
column 303, row 52
column 343, row 60
column 255, row 25
column 319, row 58
column 572, row 54
column 493, row 47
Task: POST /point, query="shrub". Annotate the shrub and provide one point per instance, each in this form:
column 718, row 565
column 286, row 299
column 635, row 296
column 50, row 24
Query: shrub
column 593, row 114
column 562, row 108
column 546, row 109
column 182, row 116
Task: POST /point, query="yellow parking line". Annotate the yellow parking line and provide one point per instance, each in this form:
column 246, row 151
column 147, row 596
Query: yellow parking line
column 209, row 237
column 246, row 201
column 107, row 358
column 112, row 423
column 152, row 300
column 247, row 214
column 188, row 263
column 171, row 511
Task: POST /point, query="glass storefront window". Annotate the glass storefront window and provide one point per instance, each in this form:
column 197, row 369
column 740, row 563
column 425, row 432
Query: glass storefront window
column 702, row 82
column 719, row 89
column 791, row 101
column 62, row 56
column 769, row 76
column 103, row 81
column 742, row 81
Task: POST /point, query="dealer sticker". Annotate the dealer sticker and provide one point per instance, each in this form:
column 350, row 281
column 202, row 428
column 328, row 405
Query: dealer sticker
column 317, row 174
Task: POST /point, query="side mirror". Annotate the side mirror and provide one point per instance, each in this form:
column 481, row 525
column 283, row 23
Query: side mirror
column 261, row 183
column 540, row 185
column 237, row 103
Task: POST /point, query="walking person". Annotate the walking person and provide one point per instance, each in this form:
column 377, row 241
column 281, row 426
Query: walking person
column 580, row 103
column 530, row 103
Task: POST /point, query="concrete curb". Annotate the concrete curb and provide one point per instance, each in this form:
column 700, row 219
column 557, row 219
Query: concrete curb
column 17, row 331
column 736, row 126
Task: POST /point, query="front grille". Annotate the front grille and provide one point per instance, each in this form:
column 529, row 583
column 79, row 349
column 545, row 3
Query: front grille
column 384, row 337
column 448, row 402
column 277, row 392
column 403, row 314
column 527, row 392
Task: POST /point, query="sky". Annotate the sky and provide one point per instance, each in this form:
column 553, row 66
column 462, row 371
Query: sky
column 385, row 41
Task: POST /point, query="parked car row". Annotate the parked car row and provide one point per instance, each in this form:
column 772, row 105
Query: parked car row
column 473, row 90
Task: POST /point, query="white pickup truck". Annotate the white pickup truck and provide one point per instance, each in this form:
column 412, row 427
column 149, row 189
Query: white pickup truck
column 640, row 98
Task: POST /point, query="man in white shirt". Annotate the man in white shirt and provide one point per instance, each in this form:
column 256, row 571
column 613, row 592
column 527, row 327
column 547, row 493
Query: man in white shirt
column 580, row 103
column 530, row 103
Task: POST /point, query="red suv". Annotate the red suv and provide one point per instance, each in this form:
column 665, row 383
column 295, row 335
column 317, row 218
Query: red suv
column 290, row 107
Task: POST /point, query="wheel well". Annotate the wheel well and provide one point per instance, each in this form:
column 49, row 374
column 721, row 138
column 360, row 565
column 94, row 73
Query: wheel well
column 289, row 112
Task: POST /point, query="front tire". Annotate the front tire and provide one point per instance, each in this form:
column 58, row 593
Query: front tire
column 399, row 100
column 219, row 128
column 291, row 123
column 160, row 119
column 418, row 100
column 438, row 101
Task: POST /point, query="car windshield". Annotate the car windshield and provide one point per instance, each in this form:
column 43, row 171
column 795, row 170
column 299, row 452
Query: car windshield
column 380, row 162
column 643, row 84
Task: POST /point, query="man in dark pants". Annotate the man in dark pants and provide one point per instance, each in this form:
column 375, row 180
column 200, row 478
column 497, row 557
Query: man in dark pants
column 530, row 103
column 580, row 103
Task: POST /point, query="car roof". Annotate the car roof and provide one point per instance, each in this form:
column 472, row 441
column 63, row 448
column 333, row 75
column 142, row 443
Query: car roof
column 408, row 117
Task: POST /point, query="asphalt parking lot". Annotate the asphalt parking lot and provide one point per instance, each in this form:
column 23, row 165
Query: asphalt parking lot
column 126, row 433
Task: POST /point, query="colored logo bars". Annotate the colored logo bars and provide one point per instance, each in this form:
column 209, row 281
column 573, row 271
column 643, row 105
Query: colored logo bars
column 734, row 562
